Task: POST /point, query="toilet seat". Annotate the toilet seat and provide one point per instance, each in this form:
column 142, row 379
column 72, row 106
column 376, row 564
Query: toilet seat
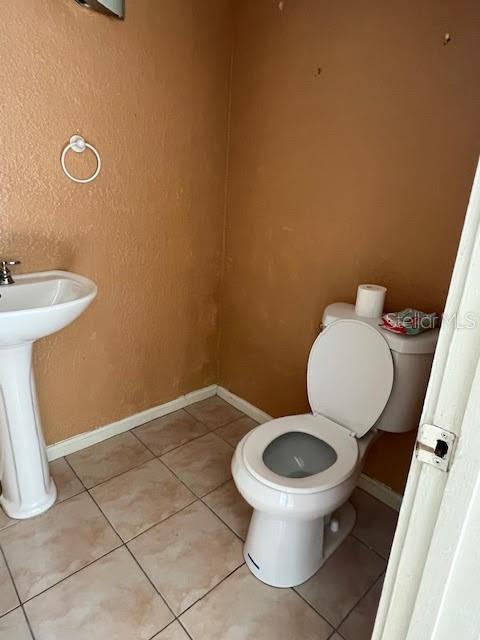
column 349, row 381
column 350, row 375
column 337, row 437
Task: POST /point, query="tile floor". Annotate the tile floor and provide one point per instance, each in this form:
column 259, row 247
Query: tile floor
column 145, row 543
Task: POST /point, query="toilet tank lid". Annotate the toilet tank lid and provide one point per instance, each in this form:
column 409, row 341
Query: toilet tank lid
column 425, row 342
column 350, row 375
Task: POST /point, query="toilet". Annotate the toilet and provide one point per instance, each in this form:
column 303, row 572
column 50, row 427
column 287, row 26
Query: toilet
column 299, row 471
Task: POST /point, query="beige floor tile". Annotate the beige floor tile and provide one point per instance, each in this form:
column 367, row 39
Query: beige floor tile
column 214, row 412
column 140, row 498
column 109, row 599
column 229, row 505
column 67, row 484
column 171, row 431
column 66, row 481
column 234, row 431
column 243, row 608
column 106, row 459
column 336, row 636
column 175, row 631
column 343, row 580
column 376, row 522
column 188, row 554
column 5, row 521
column 8, row 596
column 359, row 624
column 13, row 626
column 202, row 464
column 43, row 550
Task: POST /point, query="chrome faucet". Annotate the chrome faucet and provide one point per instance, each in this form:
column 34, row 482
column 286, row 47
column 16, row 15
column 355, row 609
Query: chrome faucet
column 5, row 275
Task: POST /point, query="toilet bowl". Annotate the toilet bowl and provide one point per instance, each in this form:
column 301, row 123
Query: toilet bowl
column 298, row 472
column 292, row 530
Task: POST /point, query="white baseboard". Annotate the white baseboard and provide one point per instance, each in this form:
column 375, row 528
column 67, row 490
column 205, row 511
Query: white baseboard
column 242, row 405
column 380, row 491
column 374, row 487
column 83, row 440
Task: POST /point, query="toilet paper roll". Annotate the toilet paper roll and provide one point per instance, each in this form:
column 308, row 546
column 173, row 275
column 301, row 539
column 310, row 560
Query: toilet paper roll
column 370, row 300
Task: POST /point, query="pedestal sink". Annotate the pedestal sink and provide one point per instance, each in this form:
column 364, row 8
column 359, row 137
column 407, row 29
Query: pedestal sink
column 34, row 306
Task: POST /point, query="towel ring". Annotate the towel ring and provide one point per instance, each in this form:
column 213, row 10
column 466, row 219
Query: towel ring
column 78, row 144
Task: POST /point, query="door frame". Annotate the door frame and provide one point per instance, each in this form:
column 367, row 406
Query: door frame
column 440, row 511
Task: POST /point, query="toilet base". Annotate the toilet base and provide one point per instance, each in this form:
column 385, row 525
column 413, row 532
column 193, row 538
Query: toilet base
column 285, row 553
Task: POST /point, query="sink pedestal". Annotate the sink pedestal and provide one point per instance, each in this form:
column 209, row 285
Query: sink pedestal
column 33, row 307
column 27, row 487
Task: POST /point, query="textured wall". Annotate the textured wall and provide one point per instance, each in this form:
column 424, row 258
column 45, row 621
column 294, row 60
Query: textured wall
column 151, row 94
column 354, row 137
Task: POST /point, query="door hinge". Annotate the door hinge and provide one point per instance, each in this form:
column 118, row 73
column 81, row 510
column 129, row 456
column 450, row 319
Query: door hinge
column 435, row 446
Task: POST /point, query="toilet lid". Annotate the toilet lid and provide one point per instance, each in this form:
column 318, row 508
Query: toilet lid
column 350, row 375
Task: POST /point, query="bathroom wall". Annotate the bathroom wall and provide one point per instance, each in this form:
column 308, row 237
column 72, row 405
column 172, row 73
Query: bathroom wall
column 354, row 137
column 151, row 93
column 353, row 141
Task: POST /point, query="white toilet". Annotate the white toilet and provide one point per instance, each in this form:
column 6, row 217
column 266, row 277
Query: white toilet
column 298, row 472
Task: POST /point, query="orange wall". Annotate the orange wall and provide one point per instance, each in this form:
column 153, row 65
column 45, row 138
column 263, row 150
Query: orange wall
column 354, row 134
column 354, row 137
column 151, row 93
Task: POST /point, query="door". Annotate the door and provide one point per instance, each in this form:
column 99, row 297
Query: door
column 432, row 585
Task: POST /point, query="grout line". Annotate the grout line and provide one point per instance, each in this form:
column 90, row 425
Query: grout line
column 178, row 446
column 190, row 488
column 210, row 590
column 219, row 486
column 294, row 590
column 136, row 466
column 195, row 498
column 220, row 426
column 370, row 588
column 372, row 497
column 146, row 575
column 358, row 601
column 122, row 473
column 222, row 520
column 103, row 555
column 89, row 564
column 155, row 455
column 224, row 439
column 2, row 553
column 124, row 545
column 127, row 542
column 367, row 546
column 153, row 585
column 159, row 592
column 116, row 475
column 166, row 415
column 184, row 628
column 20, row 604
column 27, row 621
column 75, row 473
column 214, row 433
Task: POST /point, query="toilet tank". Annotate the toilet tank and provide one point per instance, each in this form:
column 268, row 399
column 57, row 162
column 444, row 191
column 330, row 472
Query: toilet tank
column 412, row 360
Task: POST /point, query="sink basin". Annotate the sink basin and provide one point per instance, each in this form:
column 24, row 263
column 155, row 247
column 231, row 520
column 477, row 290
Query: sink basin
column 39, row 304
column 34, row 306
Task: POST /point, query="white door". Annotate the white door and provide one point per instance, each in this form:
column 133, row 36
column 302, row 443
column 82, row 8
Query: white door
column 432, row 585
